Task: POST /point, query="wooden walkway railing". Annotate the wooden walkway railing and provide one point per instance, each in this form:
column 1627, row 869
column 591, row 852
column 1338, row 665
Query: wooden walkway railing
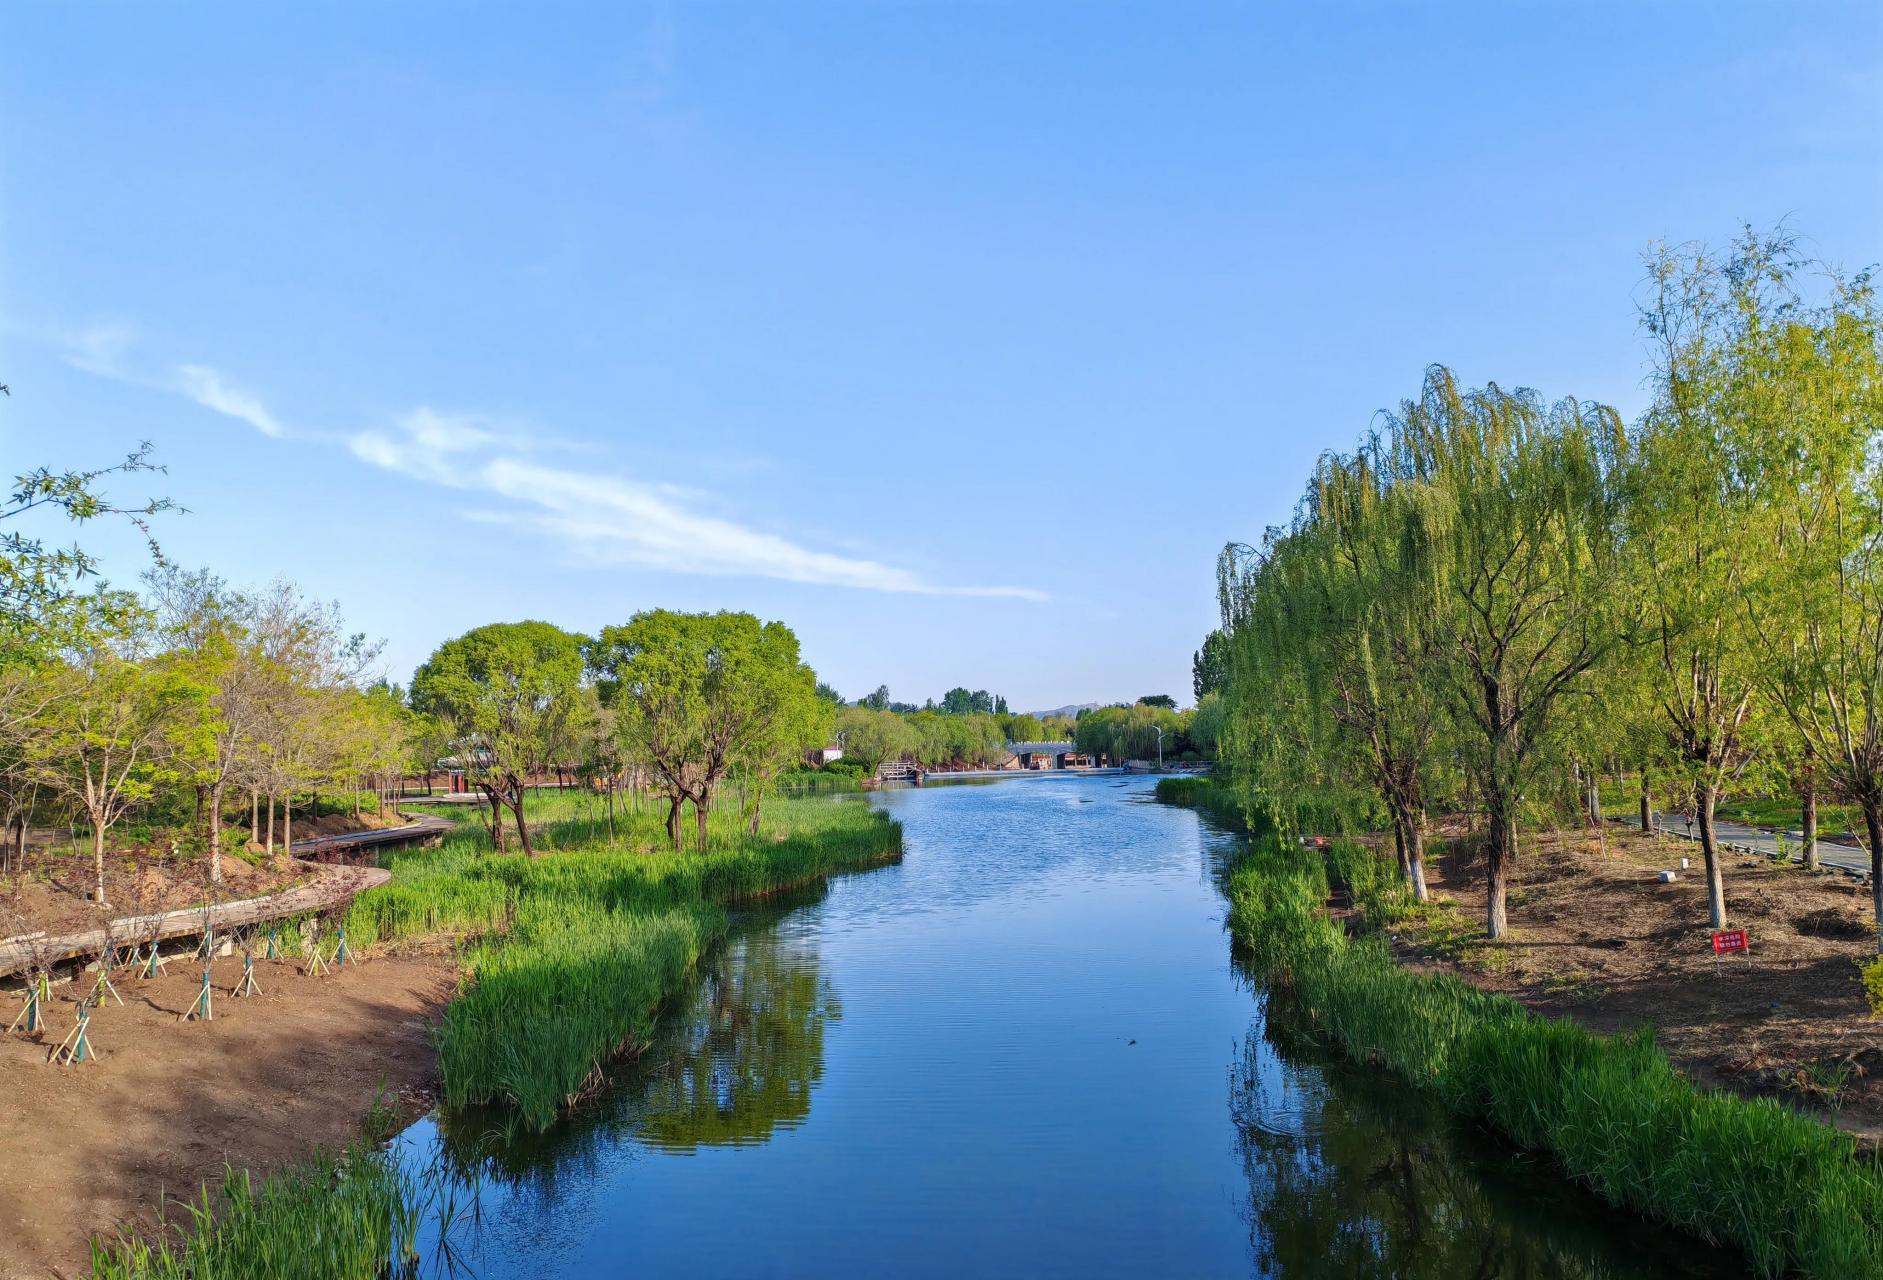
column 331, row 886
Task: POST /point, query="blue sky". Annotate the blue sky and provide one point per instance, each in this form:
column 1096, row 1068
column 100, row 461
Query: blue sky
column 958, row 336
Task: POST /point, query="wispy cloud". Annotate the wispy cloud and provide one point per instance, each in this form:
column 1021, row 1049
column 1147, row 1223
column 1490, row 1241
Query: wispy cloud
column 615, row 520
column 609, row 519
column 209, row 389
column 106, row 350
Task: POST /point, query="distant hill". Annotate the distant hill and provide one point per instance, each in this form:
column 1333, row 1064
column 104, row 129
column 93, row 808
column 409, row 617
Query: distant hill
column 1072, row 710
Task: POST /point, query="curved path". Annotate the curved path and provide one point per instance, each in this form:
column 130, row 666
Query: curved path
column 331, row 886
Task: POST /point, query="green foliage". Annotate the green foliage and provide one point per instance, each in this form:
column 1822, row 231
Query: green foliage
column 1872, row 972
column 1793, row 1193
column 354, row 1217
column 573, row 955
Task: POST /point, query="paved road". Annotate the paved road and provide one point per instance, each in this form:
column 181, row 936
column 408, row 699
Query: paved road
column 1842, row 857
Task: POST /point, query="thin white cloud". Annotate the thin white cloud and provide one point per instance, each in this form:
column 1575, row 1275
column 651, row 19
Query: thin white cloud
column 211, row 390
column 613, row 520
column 99, row 349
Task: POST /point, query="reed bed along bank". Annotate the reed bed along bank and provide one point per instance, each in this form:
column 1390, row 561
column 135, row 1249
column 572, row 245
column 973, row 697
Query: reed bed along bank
column 1790, row 1191
column 570, row 955
column 352, row 1217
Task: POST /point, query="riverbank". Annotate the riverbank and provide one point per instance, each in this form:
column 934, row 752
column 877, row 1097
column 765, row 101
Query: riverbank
column 1790, row 1191
column 95, row 1148
column 536, row 973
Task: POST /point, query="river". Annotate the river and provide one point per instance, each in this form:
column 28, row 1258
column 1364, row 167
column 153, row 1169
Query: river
column 1022, row 1051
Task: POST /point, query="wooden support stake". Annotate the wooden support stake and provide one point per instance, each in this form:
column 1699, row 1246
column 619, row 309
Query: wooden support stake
column 203, row 1006
column 103, row 987
column 77, row 1046
column 30, row 1014
column 247, row 986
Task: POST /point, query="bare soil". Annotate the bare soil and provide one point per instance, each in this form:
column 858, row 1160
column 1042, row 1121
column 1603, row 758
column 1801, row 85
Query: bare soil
column 91, row 1148
column 53, row 892
column 1597, row 938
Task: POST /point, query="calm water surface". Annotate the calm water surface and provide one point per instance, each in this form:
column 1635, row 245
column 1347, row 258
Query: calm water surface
column 1024, row 1051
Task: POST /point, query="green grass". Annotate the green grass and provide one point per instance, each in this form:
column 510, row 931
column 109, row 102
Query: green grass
column 352, row 1217
column 570, row 956
column 1791, row 1192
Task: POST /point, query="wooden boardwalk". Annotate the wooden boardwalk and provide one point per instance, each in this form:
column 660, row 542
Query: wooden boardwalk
column 333, row 884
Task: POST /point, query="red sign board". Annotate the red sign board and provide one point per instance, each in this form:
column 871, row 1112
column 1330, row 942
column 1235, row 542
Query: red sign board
column 1725, row 940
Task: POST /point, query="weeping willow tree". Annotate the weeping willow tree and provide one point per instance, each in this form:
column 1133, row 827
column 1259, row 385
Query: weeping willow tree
column 1326, row 613
column 1513, row 527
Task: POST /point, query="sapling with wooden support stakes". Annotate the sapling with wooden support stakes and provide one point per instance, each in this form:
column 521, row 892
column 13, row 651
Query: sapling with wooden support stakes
column 204, row 1006
column 247, row 986
column 32, row 1013
column 316, row 963
column 108, row 958
column 76, row 1048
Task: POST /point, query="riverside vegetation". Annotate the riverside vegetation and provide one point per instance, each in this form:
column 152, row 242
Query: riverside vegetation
column 566, row 963
column 1794, row 1194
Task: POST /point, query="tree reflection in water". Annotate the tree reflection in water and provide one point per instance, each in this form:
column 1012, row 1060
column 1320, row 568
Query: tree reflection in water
column 737, row 1061
column 744, row 1062
column 1370, row 1180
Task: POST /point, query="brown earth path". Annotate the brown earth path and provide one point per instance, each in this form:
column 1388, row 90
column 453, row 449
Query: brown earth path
column 84, row 1149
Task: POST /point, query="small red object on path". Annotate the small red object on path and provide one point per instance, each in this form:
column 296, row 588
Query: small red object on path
column 1725, row 940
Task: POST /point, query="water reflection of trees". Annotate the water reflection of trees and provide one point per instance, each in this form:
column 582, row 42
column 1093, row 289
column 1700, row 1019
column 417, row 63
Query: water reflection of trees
column 734, row 1063
column 744, row 1063
column 1360, row 1178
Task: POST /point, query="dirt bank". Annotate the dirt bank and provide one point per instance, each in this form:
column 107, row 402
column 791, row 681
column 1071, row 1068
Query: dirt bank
column 168, row 1103
column 1597, row 938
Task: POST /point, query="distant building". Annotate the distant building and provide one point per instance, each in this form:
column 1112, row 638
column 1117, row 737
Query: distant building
column 824, row 755
column 1046, row 755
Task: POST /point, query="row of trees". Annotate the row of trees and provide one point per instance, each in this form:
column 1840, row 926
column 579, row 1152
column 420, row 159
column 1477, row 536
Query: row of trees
column 958, row 701
column 682, row 701
column 1494, row 592
column 175, row 702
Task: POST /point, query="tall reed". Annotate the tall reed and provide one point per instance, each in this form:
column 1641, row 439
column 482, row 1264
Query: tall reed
column 1792, row 1192
column 570, row 956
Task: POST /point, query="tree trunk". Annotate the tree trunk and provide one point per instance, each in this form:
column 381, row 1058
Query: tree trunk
column 1647, row 805
column 287, row 824
column 270, row 847
column 516, row 807
column 1873, row 819
column 1808, row 801
column 1706, row 795
column 254, row 815
column 1501, row 853
column 1399, row 843
column 215, row 833
column 674, row 799
column 496, row 817
column 98, row 861
column 611, row 808
column 1595, row 800
column 1415, row 854
column 758, row 801
column 702, row 804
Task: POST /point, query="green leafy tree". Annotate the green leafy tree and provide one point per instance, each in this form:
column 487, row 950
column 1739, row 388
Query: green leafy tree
column 509, row 691
column 118, row 723
column 1209, row 665
column 869, row 737
column 698, row 693
column 1514, row 514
